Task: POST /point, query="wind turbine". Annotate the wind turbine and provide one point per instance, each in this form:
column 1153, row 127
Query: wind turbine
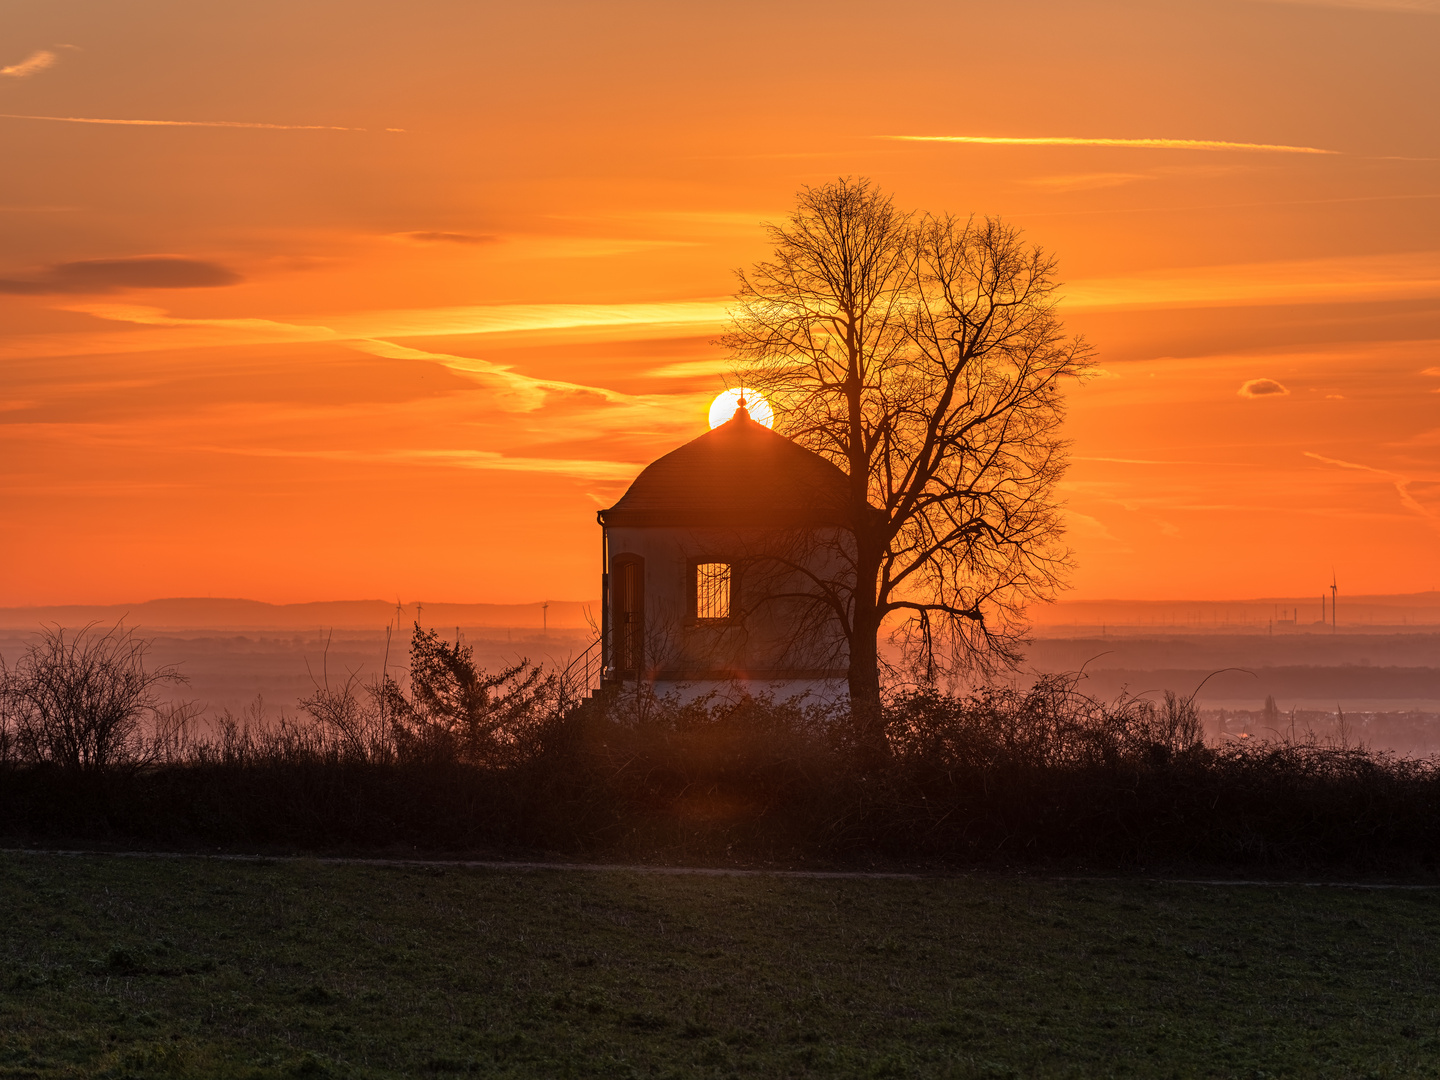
column 1333, row 587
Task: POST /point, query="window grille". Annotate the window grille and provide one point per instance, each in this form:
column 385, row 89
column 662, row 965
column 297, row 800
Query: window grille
column 629, row 609
column 712, row 590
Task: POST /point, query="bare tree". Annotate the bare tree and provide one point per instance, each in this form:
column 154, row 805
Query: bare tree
column 924, row 356
column 82, row 700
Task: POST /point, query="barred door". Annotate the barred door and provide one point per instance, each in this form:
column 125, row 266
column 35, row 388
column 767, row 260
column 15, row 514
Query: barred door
column 629, row 611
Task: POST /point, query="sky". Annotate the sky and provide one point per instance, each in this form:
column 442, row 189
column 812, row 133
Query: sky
column 308, row 301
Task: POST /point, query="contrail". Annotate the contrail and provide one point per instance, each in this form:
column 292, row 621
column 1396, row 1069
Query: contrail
column 184, row 123
column 1402, row 484
column 1142, row 144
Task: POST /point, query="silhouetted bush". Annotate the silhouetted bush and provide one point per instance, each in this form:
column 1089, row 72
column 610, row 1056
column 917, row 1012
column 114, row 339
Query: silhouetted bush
column 82, row 701
column 459, row 761
column 451, row 711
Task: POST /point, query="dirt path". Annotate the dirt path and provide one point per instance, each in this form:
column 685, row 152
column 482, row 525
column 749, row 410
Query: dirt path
column 504, row 865
column 474, row 864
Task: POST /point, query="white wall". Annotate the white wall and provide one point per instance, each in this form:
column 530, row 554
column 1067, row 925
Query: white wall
column 776, row 641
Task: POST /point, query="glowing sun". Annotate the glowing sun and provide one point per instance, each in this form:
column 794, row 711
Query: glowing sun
column 724, row 406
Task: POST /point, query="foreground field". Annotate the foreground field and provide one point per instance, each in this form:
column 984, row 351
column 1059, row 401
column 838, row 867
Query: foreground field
column 130, row 967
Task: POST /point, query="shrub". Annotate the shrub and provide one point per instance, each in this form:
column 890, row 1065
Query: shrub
column 82, row 701
column 1050, row 725
column 451, row 710
column 460, row 760
column 457, row 712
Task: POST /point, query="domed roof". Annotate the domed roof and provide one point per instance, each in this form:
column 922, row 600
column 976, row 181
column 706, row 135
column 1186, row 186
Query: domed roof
column 740, row 473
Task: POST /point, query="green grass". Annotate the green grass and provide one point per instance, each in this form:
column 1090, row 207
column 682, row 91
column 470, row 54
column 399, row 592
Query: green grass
column 130, row 967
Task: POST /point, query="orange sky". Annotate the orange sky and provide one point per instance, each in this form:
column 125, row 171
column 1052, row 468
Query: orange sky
column 414, row 362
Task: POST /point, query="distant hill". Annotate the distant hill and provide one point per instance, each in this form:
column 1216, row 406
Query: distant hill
column 206, row 613
column 1265, row 614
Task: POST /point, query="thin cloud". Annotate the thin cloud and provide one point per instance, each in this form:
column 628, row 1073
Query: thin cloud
column 673, row 223
column 243, row 331
column 1256, row 388
column 1414, row 7
column 531, row 393
column 655, row 319
column 1084, row 181
column 184, row 123
column 1087, row 526
column 1194, row 207
column 688, row 369
column 375, row 334
column 1401, row 483
column 1132, row 144
column 1403, row 276
column 36, row 61
column 108, row 275
column 491, row 460
column 426, row 236
column 511, row 318
column 1151, row 461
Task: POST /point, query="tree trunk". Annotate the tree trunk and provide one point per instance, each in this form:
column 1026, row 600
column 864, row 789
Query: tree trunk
column 864, row 672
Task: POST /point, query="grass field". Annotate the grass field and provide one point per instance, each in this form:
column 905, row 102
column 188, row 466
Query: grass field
column 147, row 967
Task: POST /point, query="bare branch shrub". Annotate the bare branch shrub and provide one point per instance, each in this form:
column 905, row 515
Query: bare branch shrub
column 350, row 716
column 85, row 701
column 1050, row 725
column 253, row 739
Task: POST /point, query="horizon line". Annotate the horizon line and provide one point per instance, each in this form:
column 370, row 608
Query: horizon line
column 538, row 603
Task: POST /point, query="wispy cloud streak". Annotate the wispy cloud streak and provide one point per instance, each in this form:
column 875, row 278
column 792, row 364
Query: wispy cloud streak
column 530, row 392
column 643, row 320
column 184, row 123
column 515, row 318
column 584, row 468
column 1150, row 461
column 1401, row 483
column 37, row 61
column 1083, row 181
column 375, row 334
column 1418, row 7
column 1401, row 276
column 444, row 322
column 1133, row 144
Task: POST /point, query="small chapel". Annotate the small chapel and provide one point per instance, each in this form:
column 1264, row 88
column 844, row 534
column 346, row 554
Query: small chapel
column 710, row 567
